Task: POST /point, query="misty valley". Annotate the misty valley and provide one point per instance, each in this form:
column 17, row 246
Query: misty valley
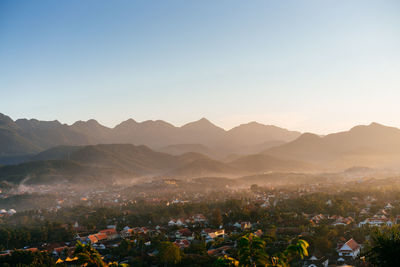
column 153, row 194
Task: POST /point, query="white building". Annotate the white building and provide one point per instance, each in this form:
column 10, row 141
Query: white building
column 350, row 248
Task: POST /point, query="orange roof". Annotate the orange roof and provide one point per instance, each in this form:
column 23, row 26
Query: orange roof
column 217, row 250
column 31, row 249
column 100, row 236
column 185, row 232
column 352, row 244
column 71, row 259
column 108, row 231
column 60, row 249
column 182, row 243
column 92, row 238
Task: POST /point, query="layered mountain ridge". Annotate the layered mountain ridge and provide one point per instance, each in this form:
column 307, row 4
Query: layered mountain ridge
column 22, row 137
column 373, row 145
column 197, row 149
column 125, row 162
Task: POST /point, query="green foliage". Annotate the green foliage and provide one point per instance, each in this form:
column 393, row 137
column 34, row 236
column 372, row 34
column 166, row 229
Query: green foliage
column 27, row 258
column 169, row 253
column 384, row 249
column 216, row 218
column 198, row 248
column 116, row 264
column 300, row 249
column 124, row 249
column 88, row 255
column 251, row 251
column 193, row 260
column 22, row 236
column 226, row 262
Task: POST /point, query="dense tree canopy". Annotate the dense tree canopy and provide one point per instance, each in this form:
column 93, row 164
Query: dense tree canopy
column 384, row 250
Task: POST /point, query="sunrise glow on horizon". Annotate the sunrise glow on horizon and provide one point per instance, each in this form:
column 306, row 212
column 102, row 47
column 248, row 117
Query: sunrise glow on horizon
column 311, row 66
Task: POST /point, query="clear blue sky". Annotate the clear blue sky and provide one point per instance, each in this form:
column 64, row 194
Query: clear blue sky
column 317, row 66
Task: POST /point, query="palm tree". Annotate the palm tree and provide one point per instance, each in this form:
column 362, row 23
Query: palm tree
column 88, row 255
column 251, row 251
column 298, row 249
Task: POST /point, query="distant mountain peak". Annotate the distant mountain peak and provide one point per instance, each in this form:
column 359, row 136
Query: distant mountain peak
column 308, row 137
column 89, row 125
column 203, row 123
column 254, row 123
column 90, row 122
column 371, row 126
column 128, row 122
column 157, row 122
column 3, row 116
column 205, row 120
column 251, row 123
column 5, row 120
column 38, row 122
column 375, row 124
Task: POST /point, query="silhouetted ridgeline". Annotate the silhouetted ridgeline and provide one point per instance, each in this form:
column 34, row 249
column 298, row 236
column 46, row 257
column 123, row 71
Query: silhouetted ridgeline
column 24, row 136
column 109, row 163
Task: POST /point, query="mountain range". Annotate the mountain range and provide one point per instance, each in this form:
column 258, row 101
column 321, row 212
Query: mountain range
column 373, row 145
column 24, row 137
column 124, row 162
column 43, row 151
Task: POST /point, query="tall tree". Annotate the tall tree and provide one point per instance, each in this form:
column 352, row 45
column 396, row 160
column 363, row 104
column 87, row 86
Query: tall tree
column 216, row 218
column 298, row 249
column 384, row 249
column 251, row 251
column 88, row 255
column 169, row 253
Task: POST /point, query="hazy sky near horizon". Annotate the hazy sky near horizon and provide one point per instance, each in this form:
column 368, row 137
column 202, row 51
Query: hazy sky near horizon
column 318, row 66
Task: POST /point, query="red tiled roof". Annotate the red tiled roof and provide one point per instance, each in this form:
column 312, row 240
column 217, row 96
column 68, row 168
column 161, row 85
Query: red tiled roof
column 218, row 250
column 32, row 249
column 100, row 236
column 60, row 249
column 108, row 232
column 185, row 232
column 92, row 238
column 182, row 243
column 352, row 244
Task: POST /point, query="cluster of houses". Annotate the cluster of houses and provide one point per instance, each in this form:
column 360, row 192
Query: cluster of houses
column 346, row 251
column 381, row 218
column 195, row 219
column 103, row 235
column 9, row 212
column 184, row 231
column 182, row 236
column 334, row 220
